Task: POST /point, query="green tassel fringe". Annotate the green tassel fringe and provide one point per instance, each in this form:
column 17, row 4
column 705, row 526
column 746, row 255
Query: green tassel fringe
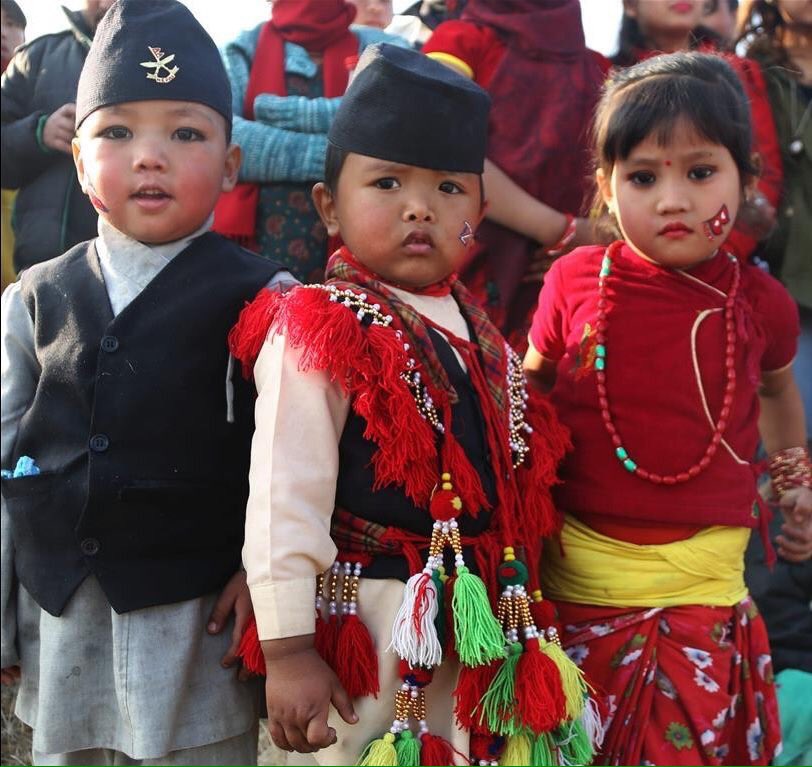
column 479, row 637
column 543, row 754
column 499, row 701
column 380, row 753
column 574, row 744
column 407, row 748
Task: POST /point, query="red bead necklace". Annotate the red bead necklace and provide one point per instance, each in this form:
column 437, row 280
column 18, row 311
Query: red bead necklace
column 600, row 375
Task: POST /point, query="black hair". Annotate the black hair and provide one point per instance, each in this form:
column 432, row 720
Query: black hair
column 334, row 162
column 15, row 13
column 656, row 95
column 631, row 40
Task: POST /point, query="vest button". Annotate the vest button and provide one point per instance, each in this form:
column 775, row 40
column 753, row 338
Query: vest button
column 109, row 344
column 90, row 547
column 99, row 443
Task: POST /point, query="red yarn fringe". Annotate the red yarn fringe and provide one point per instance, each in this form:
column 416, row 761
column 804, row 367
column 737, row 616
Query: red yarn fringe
column 250, row 650
column 472, row 684
column 326, row 639
column 549, row 442
column 356, row 662
column 246, row 338
column 539, row 695
column 543, row 613
column 435, row 750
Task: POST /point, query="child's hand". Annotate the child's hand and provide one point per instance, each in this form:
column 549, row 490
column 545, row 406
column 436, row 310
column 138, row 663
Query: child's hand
column 795, row 541
column 9, row 675
column 234, row 597
column 298, row 692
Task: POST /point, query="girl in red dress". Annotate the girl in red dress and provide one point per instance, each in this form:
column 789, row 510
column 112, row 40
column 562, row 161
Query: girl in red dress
column 666, row 356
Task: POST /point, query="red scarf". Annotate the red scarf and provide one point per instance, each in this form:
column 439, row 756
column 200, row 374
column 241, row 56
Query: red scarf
column 319, row 26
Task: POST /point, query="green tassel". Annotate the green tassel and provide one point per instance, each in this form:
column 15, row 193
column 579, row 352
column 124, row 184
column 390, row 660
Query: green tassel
column 573, row 742
column 543, row 755
column 517, row 750
column 407, row 748
column 479, row 637
column 572, row 678
column 499, row 701
column 380, row 753
column 439, row 621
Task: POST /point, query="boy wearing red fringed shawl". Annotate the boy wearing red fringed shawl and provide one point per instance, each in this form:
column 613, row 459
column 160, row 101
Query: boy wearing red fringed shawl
column 393, row 446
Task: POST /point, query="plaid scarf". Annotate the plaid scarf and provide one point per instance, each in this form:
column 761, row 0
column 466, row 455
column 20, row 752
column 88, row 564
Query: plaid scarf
column 344, row 271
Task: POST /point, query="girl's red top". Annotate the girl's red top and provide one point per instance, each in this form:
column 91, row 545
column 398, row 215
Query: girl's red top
column 665, row 356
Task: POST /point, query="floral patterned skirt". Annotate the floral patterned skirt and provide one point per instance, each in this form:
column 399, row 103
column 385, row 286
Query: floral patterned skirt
column 680, row 685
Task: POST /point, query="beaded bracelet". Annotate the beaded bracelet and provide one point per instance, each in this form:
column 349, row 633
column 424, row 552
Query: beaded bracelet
column 790, row 468
column 566, row 238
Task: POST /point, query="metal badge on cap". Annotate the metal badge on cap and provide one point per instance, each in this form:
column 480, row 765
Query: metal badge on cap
column 161, row 63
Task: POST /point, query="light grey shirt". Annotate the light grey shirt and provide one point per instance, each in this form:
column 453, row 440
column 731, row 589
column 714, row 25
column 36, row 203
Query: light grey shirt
column 146, row 682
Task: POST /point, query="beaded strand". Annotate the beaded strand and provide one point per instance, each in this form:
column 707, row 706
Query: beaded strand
column 600, row 374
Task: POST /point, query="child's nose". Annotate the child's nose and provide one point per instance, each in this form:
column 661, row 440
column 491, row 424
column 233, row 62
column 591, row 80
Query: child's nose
column 150, row 155
column 673, row 199
column 418, row 210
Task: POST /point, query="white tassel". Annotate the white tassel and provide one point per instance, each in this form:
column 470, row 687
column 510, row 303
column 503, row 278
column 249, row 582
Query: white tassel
column 593, row 726
column 418, row 647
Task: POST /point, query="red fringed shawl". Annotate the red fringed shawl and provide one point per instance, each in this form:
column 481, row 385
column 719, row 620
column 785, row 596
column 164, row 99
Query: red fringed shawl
column 364, row 348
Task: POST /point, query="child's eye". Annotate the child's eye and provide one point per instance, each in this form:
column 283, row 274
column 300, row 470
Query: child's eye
column 116, row 132
column 449, row 187
column 642, row 178
column 700, row 172
column 189, row 134
column 387, row 183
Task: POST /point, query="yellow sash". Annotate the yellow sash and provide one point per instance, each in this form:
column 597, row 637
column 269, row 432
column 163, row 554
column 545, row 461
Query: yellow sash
column 706, row 569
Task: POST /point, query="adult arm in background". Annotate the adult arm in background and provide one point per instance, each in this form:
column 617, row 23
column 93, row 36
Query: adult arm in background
column 31, row 140
column 287, row 140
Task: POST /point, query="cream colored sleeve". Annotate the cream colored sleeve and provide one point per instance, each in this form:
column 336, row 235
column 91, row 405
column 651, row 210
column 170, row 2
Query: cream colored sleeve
column 294, row 466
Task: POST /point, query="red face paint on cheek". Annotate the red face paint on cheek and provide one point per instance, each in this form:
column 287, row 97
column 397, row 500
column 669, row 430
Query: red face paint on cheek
column 716, row 225
column 95, row 201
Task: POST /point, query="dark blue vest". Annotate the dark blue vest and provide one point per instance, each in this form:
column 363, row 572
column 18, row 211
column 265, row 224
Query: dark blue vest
column 144, row 482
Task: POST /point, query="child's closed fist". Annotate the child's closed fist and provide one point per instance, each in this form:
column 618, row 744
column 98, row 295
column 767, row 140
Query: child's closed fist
column 298, row 692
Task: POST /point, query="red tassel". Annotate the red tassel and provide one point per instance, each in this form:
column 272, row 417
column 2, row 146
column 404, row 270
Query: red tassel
column 435, row 750
column 472, row 684
column 326, row 641
column 356, row 662
column 250, row 650
column 539, row 695
column 543, row 613
column 445, row 505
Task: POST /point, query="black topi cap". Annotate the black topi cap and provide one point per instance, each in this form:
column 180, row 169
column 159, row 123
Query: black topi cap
column 404, row 107
column 152, row 49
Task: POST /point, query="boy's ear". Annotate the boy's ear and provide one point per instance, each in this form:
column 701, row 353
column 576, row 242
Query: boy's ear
column 605, row 189
column 326, row 206
column 76, row 148
column 232, row 167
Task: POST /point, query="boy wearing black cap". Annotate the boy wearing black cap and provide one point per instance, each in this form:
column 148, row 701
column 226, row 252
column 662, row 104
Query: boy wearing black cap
column 125, row 441
column 393, row 446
